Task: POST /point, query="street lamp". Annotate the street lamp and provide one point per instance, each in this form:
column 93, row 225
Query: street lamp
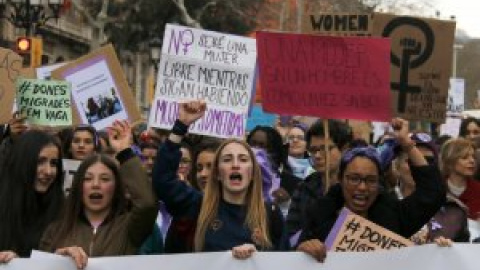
column 28, row 14
column 155, row 51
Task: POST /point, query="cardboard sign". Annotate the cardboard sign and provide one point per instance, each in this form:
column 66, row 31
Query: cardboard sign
column 10, row 69
column 45, row 103
column 329, row 77
column 338, row 24
column 100, row 91
column 216, row 67
column 421, row 63
column 456, row 97
column 355, row 233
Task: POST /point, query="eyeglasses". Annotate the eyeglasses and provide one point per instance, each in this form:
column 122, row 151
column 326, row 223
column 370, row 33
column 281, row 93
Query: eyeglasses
column 313, row 150
column 371, row 181
column 295, row 137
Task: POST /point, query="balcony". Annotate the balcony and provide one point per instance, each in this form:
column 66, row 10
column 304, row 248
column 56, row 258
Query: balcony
column 78, row 31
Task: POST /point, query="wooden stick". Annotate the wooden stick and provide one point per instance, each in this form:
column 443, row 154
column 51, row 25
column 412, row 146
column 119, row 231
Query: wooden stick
column 327, row 155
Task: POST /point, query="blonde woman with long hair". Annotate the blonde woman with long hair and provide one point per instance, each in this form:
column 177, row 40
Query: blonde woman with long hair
column 232, row 214
column 457, row 163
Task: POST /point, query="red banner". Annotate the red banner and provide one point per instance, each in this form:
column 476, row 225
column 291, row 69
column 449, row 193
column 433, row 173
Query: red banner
column 328, row 77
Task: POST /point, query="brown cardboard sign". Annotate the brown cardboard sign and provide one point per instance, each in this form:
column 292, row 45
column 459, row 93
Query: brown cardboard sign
column 355, row 233
column 421, row 63
column 100, row 91
column 10, row 69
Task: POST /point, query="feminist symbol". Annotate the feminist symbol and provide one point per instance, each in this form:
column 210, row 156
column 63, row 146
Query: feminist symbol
column 184, row 37
column 411, row 48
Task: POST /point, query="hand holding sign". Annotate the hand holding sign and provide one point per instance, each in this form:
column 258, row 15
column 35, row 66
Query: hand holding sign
column 315, row 248
column 17, row 125
column 191, row 111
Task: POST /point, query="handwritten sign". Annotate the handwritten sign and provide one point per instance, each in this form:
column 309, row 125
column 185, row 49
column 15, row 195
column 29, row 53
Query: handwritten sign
column 421, row 63
column 331, row 77
column 10, row 69
column 45, row 103
column 355, row 233
column 338, row 24
column 216, row 121
column 198, row 64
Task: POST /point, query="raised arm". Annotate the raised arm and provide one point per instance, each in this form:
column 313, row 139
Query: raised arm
column 179, row 198
column 144, row 206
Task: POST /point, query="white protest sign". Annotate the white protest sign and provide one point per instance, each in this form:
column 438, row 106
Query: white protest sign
column 427, row 257
column 216, row 67
column 451, row 127
column 45, row 72
column 456, row 97
column 70, row 167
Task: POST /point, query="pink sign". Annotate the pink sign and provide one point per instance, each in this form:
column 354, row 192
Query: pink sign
column 328, row 77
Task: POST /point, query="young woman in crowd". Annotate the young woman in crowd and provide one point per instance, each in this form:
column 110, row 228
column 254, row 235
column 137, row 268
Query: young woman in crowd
column 298, row 158
column 83, row 143
column 359, row 190
column 270, row 140
column 96, row 220
column 231, row 215
column 458, row 168
column 203, row 162
column 31, row 181
column 185, row 165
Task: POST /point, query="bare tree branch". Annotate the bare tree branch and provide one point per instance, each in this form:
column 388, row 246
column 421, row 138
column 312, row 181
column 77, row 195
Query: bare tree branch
column 78, row 6
column 185, row 16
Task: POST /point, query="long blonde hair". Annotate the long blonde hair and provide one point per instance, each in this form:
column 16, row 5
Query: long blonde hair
column 256, row 218
column 451, row 152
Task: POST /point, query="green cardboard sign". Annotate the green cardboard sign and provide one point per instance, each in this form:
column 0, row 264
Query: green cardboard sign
column 45, row 103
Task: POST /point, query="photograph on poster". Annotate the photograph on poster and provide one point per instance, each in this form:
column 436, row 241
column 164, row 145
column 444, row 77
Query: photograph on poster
column 101, row 106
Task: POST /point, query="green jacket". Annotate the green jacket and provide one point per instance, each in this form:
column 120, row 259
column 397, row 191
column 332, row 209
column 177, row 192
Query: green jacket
column 118, row 235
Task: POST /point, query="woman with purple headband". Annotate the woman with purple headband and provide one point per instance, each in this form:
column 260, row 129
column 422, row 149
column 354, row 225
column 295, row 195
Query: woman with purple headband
column 359, row 189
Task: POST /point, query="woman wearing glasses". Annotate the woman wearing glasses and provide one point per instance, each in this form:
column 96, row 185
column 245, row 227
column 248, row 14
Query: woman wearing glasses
column 360, row 174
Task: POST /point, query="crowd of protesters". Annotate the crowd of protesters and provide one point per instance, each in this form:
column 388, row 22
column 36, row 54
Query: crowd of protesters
column 279, row 189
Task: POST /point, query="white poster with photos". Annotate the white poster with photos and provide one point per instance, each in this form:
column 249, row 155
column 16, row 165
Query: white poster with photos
column 96, row 95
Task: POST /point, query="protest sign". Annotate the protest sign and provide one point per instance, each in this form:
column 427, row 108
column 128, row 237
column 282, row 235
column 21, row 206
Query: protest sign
column 451, row 127
column 421, row 63
column 45, row 72
column 10, row 69
column 216, row 67
column 459, row 257
column 355, row 233
column 338, row 24
column 100, row 91
column 70, row 167
column 329, row 77
column 260, row 118
column 456, row 97
column 44, row 103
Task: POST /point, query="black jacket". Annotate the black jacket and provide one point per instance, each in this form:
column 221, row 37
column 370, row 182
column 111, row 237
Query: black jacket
column 403, row 217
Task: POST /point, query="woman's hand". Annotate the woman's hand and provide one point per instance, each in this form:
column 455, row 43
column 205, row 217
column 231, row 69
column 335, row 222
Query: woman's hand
column 17, row 125
column 190, row 112
column 7, row 255
column 120, row 135
column 401, row 130
column 244, row 251
column 77, row 254
column 314, row 248
column 443, row 242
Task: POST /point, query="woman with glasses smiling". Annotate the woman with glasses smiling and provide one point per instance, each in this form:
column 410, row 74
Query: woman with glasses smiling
column 359, row 190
